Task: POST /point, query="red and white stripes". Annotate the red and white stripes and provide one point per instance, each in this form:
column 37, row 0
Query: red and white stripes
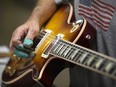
column 99, row 12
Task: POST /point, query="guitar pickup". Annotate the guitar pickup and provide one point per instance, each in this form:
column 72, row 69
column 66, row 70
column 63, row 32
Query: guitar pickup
column 45, row 54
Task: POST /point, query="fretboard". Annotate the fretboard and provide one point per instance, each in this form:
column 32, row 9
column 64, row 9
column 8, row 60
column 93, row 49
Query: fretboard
column 85, row 57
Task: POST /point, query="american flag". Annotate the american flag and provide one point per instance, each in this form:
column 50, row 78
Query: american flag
column 98, row 11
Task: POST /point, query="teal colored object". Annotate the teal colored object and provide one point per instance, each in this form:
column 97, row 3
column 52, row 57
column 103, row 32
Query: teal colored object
column 23, row 52
column 20, row 47
column 20, row 54
column 28, row 42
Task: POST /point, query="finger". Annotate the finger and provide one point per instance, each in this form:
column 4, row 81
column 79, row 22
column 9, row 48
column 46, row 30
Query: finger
column 32, row 33
column 20, row 47
column 21, row 54
column 13, row 44
column 17, row 35
column 28, row 42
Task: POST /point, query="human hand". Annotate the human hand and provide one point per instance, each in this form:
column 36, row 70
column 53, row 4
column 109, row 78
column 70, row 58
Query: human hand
column 23, row 36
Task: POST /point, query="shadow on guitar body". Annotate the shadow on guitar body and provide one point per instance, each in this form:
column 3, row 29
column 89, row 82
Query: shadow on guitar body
column 25, row 82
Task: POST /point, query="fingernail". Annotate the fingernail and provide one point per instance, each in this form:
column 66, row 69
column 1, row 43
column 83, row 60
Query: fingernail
column 28, row 42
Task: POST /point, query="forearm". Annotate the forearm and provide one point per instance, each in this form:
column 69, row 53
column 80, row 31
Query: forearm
column 43, row 10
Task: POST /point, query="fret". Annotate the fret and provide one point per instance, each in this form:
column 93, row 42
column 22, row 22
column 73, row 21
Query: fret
column 99, row 63
column 63, row 49
column 108, row 67
column 77, row 56
column 114, row 73
column 88, row 57
column 72, row 56
column 69, row 53
column 56, row 47
column 82, row 57
column 90, row 60
column 66, row 51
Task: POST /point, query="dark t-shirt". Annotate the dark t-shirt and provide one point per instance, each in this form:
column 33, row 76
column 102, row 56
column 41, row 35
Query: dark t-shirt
column 102, row 15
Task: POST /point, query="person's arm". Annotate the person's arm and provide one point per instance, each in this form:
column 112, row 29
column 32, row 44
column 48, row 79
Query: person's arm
column 42, row 11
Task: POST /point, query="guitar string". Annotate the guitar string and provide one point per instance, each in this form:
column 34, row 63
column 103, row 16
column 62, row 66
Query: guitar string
column 96, row 61
column 52, row 37
column 90, row 54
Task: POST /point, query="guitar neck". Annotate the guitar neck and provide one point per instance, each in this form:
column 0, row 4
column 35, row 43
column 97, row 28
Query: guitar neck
column 84, row 57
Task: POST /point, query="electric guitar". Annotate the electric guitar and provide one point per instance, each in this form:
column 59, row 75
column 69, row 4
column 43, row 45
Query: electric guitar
column 63, row 40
